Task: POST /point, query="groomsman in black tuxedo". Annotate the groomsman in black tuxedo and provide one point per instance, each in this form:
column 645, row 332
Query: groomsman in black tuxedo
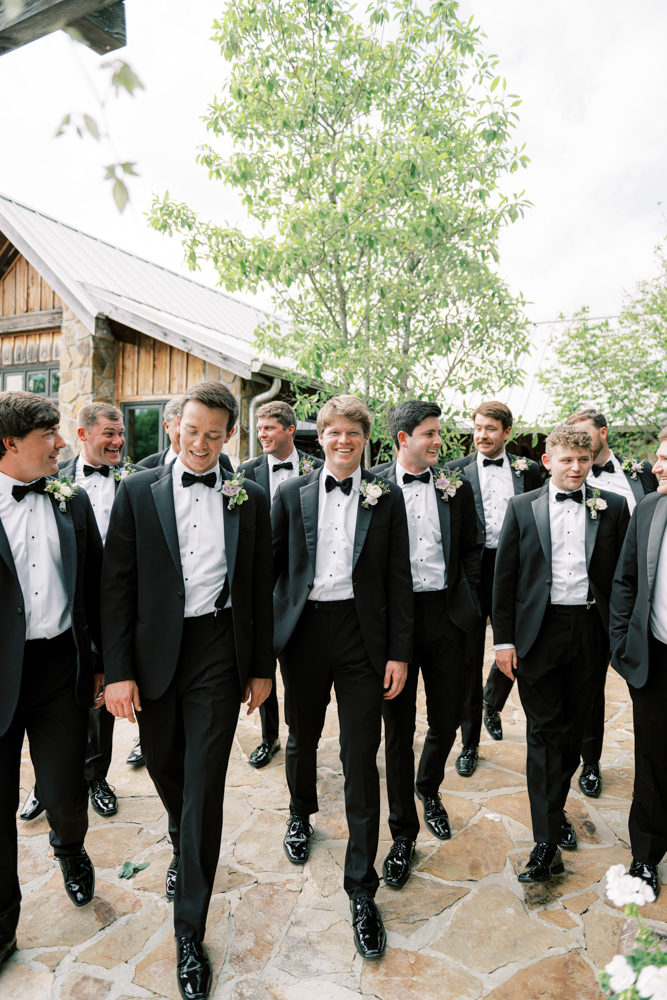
column 556, row 560
column 186, row 589
column 168, row 455
column 632, row 480
column 445, row 563
column 276, row 425
column 495, row 477
column 343, row 616
column 97, row 470
column 638, row 635
column 50, row 563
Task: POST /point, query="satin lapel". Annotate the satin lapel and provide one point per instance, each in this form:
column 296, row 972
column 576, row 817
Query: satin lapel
column 445, row 522
column 163, row 498
column 635, row 486
column 655, row 538
column 364, row 515
column 65, row 526
column 540, row 506
column 69, row 468
column 232, row 522
column 591, row 529
column 309, row 497
column 390, row 475
column 262, row 477
column 472, row 472
column 5, row 550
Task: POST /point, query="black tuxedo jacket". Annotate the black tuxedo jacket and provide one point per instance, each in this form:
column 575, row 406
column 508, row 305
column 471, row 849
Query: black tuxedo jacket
column 462, row 552
column 522, row 580
column 645, row 482
column 81, row 551
column 258, row 469
column 531, row 479
column 381, row 575
column 142, row 583
column 68, row 468
column 632, row 592
column 153, row 461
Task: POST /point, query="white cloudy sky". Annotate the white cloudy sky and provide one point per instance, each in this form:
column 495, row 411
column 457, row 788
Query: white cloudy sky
column 591, row 73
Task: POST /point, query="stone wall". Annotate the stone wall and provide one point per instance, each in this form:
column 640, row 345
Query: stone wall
column 87, row 368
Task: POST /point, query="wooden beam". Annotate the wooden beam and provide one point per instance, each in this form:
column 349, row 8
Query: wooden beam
column 104, row 30
column 46, row 319
column 8, row 255
column 40, row 17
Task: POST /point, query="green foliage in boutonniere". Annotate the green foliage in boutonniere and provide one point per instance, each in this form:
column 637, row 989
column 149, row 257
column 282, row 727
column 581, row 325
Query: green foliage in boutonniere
column 62, row 490
column 124, row 471
column 306, row 466
column 233, row 488
column 447, row 483
column 371, row 492
column 632, row 467
column 596, row 503
column 519, row 464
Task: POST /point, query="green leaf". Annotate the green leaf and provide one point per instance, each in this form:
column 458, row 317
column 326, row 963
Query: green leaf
column 120, row 194
column 130, row 869
column 494, row 84
column 91, row 125
column 61, row 127
column 124, row 76
column 129, row 168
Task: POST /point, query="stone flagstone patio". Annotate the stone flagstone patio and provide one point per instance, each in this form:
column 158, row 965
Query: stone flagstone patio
column 462, row 928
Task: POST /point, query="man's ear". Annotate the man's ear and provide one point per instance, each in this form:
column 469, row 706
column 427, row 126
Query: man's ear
column 233, row 431
column 81, row 433
column 546, row 462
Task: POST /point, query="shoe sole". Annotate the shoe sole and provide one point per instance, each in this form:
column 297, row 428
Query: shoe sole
column 27, row 819
column 140, row 761
column 558, row 870
column 466, row 774
column 299, row 864
column 92, row 895
column 568, row 847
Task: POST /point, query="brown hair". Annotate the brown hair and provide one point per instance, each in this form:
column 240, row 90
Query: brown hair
column 662, row 434
column 567, row 436
column 23, row 412
column 590, row 413
column 497, row 411
column 277, row 410
column 345, row 406
column 90, row 413
column 216, row 396
column 171, row 409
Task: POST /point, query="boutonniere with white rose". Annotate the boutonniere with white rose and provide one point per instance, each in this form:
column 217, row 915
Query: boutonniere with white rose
column 371, row 492
column 447, row 484
column 61, row 490
column 306, row 466
column 233, row 488
column 519, row 464
column 595, row 504
column 632, row 467
column 125, row 470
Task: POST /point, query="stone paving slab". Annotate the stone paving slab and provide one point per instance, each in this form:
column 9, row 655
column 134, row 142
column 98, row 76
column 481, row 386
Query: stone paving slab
column 461, row 928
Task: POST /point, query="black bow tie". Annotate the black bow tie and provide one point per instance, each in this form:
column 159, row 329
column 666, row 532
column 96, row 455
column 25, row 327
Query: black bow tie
column 607, row 467
column 103, row 470
column 423, row 477
column 576, row 495
column 345, row 485
column 189, row 480
column 493, row 461
column 19, row 492
column 282, row 465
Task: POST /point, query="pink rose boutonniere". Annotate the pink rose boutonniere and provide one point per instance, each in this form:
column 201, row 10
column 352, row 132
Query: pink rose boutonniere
column 632, row 467
column 306, row 466
column 519, row 465
column 447, row 484
column 596, row 503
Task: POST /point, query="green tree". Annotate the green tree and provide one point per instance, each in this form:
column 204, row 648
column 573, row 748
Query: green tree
column 370, row 154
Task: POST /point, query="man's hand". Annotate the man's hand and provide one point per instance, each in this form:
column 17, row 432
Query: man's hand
column 257, row 691
column 506, row 660
column 98, row 690
column 122, row 699
column 395, row 676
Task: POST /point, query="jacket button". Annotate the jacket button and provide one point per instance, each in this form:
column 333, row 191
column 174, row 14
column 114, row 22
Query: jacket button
column 19, row 611
column 180, row 593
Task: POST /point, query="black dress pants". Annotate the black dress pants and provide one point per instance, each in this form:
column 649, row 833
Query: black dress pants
column 48, row 712
column 186, row 737
column 557, row 679
column 439, row 653
column 327, row 648
column 269, row 714
column 100, row 742
column 648, row 813
column 471, row 719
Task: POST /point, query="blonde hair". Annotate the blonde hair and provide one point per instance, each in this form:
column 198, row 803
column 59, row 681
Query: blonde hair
column 345, row 406
column 90, row 413
column 565, row 436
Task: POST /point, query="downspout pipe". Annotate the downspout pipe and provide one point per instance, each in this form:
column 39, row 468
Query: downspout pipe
column 256, row 401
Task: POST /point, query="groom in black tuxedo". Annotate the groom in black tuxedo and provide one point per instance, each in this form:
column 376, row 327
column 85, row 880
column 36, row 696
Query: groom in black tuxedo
column 343, row 616
column 186, row 590
column 50, row 563
column 556, row 559
column 445, row 564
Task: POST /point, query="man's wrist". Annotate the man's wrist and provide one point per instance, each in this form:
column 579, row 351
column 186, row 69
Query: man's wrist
column 504, row 645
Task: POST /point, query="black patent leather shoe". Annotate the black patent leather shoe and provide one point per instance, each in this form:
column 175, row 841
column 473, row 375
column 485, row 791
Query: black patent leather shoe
column 297, row 839
column 568, row 838
column 193, row 969
column 136, row 756
column 544, row 862
column 7, row 950
column 32, row 807
column 78, row 876
column 396, row 866
column 493, row 722
column 466, row 762
column 590, row 780
column 435, row 816
column 647, row 873
column 102, row 797
column 369, row 933
column 172, row 871
column 261, row 756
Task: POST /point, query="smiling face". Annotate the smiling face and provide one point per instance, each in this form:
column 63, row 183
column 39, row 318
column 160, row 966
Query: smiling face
column 569, row 466
column 34, row 455
column 274, row 438
column 103, row 442
column 203, row 432
column 419, row 451
column 489, row 436
column 343, row 442
column 660, row 467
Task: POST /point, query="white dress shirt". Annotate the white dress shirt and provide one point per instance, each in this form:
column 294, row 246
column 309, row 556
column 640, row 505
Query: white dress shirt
column 658, row 617
column 569, row 576
column 171, row 456
column 101, row 490
column 336, row 526
column 427, row 559
column 276, row 478
column 497, row 487
column 614, row 482
column 201, row 539
column 33, row 537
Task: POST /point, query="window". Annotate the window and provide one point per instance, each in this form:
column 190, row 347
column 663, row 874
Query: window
column 42, row 381
column 144, row 433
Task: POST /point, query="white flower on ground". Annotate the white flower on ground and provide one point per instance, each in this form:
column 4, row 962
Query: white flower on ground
column 652, row 982
column 373, row 492
column 624, row 890
column 621, row 973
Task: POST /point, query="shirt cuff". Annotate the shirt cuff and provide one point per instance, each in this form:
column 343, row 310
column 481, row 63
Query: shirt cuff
column 504, row 645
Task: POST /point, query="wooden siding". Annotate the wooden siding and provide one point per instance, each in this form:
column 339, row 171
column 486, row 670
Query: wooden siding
column 22, row 290
column 149, row 369
column 30, row 349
